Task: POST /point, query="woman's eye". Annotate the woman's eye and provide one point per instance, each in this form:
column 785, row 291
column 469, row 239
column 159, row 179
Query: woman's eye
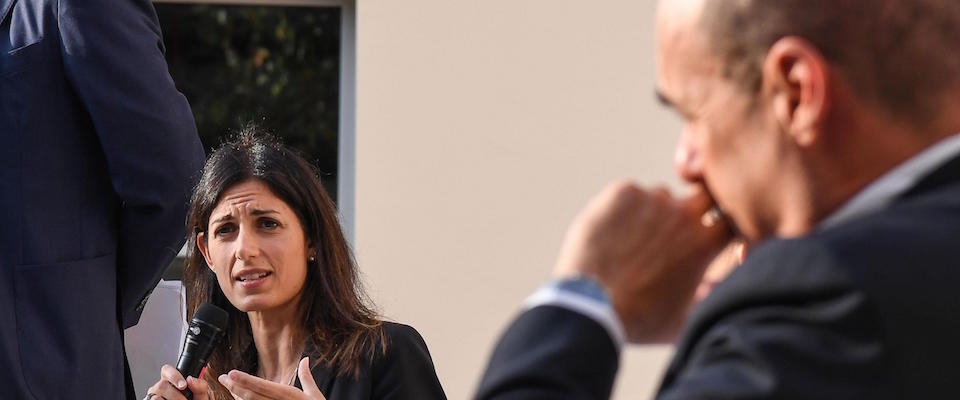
column 269, row 224
column 225, row 230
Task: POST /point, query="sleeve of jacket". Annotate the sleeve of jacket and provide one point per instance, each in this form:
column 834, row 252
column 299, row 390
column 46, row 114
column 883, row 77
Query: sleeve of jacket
column 787, row 325
column 114, row 59
column 549, row 352
column 405, row 370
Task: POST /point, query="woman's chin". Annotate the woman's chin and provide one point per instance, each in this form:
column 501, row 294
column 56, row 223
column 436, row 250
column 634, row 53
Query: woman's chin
column 263, row 301
column 252, row 304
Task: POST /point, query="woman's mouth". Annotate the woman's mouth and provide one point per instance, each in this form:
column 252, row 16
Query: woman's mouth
column 252, row 280
column 252, row 276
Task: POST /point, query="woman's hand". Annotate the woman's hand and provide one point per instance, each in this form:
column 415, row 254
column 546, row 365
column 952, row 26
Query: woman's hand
column 244, row 386
column 171, row 383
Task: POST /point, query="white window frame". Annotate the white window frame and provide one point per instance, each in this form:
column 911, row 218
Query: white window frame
column 346, row 153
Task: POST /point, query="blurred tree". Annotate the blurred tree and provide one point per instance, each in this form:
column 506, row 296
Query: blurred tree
column 275, row 66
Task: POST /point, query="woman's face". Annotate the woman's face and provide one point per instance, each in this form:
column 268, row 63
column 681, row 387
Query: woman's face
column 255, row 245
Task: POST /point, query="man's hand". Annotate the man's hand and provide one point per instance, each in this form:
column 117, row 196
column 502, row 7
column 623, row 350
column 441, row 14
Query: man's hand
column 244, row 386
column 649, row 250
column 722, row 266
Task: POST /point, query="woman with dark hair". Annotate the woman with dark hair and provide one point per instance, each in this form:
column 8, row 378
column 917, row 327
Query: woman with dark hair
column 265, row 245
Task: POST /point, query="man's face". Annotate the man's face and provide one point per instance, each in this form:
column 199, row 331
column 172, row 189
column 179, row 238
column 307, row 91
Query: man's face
column 729, row 142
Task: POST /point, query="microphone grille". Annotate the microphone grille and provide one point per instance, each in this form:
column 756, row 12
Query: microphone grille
column 212, row 315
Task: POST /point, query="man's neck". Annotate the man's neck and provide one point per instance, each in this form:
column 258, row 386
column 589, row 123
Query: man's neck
column 847, row 162
column 897, row 181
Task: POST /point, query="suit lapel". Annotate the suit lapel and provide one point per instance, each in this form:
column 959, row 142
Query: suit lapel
column 321, row 375
column 5, row 6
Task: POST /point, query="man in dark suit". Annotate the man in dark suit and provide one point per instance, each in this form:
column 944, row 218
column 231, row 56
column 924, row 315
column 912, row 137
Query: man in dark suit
column 97, row 156
column 826, row 132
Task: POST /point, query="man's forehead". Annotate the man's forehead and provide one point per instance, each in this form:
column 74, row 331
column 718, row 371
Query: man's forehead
column 680, row 9
column 684, row 60
column 676, row 23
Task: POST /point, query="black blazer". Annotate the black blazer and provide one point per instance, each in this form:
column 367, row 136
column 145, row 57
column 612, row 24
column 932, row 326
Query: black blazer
column 404, row 371
column 869, row 309
column 98, row 153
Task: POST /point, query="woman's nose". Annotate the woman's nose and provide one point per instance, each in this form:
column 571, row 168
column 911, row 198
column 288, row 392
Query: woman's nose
column 247, row 245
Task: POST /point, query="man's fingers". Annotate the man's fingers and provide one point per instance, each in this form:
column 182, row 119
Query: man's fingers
column 700, row 205
column 617, row 196
column 698, row 202
column 661, row 193
column 722, row 266
column 306, row 381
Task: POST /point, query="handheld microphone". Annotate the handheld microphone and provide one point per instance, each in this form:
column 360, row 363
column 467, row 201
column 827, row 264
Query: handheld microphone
column 205, row 331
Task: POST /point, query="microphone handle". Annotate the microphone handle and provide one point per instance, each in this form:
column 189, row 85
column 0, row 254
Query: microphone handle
column 193, row 358
column 186, row 391
column 190, row 366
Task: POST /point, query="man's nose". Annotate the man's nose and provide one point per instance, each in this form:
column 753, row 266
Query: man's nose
column 687, row 160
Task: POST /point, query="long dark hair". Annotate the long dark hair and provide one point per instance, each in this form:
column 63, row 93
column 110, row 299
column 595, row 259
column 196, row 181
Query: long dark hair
column 341, row 327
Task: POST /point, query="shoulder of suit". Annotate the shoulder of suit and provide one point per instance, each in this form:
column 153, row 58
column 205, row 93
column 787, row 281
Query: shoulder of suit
column 398, row 330
column 403, row 343
column 405, row 355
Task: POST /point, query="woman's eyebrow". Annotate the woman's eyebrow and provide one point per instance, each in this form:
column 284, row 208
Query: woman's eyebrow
column 263, row 212
column 255, row 212
column 225, row 217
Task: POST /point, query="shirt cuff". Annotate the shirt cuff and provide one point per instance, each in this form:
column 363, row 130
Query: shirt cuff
column 597, row 308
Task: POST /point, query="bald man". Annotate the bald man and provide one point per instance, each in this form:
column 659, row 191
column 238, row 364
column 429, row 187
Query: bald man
column 826, row 132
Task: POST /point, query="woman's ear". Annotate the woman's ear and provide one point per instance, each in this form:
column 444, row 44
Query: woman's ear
column 312, row 252
column 202, row 246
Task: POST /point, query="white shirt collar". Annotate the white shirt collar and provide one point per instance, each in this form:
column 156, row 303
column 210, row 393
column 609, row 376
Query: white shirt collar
column 879, row 193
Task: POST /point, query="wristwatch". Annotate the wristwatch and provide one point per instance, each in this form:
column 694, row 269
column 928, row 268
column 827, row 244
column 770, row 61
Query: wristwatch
column 584, row 286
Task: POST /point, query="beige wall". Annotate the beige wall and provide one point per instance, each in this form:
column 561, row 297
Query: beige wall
column 482, row 127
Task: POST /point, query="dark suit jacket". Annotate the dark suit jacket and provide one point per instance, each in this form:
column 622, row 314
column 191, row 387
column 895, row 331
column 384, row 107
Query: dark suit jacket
column 97, row 155
column 404, row 371
column 869, row 309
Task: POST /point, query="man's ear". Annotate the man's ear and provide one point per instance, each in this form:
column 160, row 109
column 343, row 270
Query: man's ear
column 797, row 77
column 202, row 245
